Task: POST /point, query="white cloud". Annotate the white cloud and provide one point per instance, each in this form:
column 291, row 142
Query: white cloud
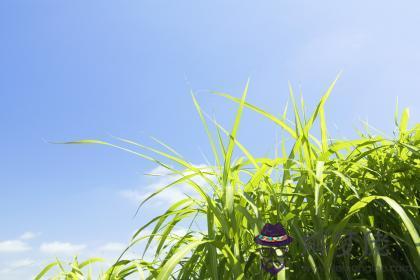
column 13, row 246
column 159, row 171
column 16, row 265
column 21, row 263
column 57, row 247
column 113, row 247
column 180, row 231
column 167, row 197
column 170, row 195
column 28, row 235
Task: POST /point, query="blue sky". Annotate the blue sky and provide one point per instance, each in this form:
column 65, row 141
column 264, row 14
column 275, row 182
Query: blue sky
column 90, row 69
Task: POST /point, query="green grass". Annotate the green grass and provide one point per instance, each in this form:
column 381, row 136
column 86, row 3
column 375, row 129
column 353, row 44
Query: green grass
column 356, row 196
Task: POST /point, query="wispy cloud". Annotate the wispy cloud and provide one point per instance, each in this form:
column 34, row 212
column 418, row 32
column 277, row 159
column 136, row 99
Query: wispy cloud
column 65, row 248
column 17, row 265
column 29, row 235
column 113, row 247
column 163, row 178
column 13, row 246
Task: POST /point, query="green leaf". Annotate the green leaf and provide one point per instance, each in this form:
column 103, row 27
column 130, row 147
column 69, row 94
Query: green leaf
column 167, row 269
column 45, row 270
column 229, row 152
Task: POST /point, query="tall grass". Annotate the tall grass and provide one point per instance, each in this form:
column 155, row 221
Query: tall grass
column 352, row 206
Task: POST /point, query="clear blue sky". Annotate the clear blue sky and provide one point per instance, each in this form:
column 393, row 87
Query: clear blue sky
column 89, row 69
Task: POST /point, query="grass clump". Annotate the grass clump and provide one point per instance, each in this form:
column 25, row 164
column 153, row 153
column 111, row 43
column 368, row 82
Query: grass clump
column 352, row 206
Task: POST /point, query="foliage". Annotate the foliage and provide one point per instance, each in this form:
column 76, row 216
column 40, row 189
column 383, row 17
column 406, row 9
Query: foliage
column 352, row 206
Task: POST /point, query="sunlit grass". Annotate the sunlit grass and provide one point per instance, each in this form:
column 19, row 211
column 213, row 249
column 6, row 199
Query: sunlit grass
column 356, row 196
